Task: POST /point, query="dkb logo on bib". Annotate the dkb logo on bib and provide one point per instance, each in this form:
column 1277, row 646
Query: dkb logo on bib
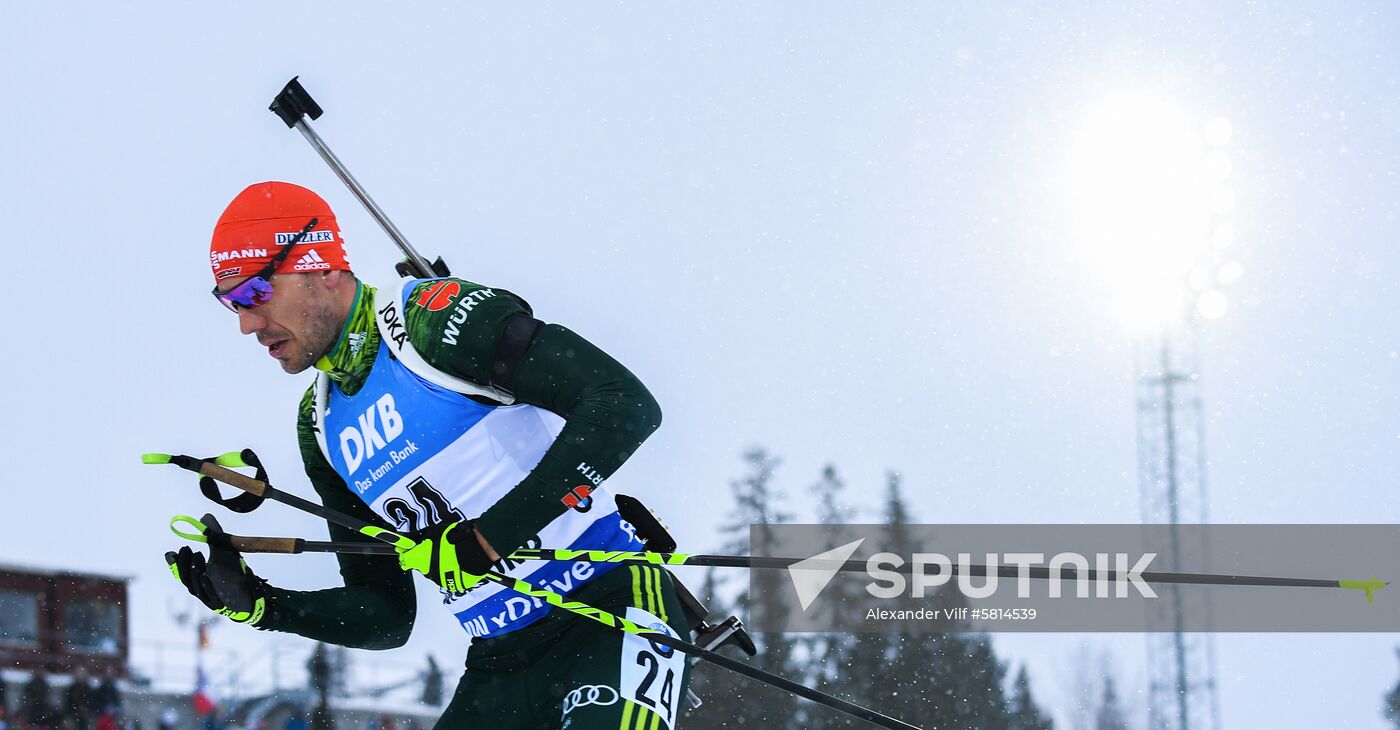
column 358, row 443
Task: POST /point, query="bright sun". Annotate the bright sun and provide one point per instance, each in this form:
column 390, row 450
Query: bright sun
column 1151, row 196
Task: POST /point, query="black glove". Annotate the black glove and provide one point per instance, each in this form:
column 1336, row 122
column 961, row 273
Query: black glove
column 449, row 554
column 223, row 582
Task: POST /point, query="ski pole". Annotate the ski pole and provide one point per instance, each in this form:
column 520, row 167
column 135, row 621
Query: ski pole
column 279, row 545
column 292, row 545
column 218, row 470
column 1370, row 586
column 234, row 479
column 293, row 105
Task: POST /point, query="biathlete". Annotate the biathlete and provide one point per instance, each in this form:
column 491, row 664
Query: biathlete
column 443, row 410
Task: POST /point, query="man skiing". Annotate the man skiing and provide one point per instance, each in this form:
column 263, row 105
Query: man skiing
column 444, row 411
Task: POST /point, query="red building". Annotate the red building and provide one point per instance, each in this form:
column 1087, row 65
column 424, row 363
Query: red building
column 61, row 621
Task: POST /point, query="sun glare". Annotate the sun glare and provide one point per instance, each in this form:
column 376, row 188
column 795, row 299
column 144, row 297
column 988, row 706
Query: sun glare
column 1150, row 188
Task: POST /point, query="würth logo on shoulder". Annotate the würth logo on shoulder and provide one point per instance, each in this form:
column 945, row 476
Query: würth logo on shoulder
column 578, row 498
column 941, row 578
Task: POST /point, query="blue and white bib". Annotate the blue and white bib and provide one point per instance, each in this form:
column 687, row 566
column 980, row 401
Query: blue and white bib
column 419, row 453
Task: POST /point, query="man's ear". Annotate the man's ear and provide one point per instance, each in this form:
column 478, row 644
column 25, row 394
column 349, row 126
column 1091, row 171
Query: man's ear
column 334, row 279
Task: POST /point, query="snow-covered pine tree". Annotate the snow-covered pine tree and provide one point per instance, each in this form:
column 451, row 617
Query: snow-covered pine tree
column 319, row 680
column 837, row 663
column 1022, row 712
column 975, row 677
column 941, row 680
column 907, row 665
column 434, row 683
column 918, row 670
column 1391, row 708
column 340, row 660
column 1110, row 716
column 318, row 670
column 733, row 701
column 717, row 688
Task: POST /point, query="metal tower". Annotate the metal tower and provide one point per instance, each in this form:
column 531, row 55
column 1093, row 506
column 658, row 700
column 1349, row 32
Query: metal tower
column 1154, row 193
column 1172, row 487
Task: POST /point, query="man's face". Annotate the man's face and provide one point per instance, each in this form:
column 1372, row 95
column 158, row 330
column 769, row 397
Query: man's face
column 299, row 323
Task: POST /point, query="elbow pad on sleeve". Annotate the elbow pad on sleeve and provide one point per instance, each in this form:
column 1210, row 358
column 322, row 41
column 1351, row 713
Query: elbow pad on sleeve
column 519, row 333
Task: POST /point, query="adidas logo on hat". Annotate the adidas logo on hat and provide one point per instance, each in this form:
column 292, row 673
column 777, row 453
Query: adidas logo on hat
column 269, row 215
column 312, row 261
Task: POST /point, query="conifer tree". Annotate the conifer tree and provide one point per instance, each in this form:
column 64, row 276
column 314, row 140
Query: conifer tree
column 974, row 679
column 838, row 663
column 1022, row 712
column 1110, row 715
column 733, row 701
column 921, row 672
column 340, row 659
column 1391, row 709
column 319, row 673
column 318, row 670
column 948, row 679
column 433, row 684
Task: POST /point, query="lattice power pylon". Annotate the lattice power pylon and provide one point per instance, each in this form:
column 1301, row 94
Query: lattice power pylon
column 1172, row 486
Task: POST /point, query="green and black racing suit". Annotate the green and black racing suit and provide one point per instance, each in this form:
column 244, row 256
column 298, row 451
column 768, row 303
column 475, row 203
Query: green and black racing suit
column 561, row 670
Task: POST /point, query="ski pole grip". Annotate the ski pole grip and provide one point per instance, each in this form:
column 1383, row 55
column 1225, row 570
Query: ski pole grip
column 282, row 545
column 293, row 103
column 232, row 478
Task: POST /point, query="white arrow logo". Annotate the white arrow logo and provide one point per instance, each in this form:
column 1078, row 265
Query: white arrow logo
column 811, row 576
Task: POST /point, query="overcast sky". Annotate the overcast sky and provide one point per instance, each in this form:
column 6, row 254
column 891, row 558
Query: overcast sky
column 836, row 230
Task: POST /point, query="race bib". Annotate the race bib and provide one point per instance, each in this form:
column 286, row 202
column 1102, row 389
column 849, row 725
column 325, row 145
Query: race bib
column 651, row 674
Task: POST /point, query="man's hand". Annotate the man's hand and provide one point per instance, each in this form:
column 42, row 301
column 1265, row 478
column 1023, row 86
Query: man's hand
column 452, row 555
column 223, row 582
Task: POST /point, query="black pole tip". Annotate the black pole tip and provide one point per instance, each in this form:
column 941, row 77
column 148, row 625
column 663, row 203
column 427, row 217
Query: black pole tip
column 293, row 103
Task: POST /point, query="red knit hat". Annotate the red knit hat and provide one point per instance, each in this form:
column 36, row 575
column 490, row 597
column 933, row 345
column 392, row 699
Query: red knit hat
column 268, row 215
